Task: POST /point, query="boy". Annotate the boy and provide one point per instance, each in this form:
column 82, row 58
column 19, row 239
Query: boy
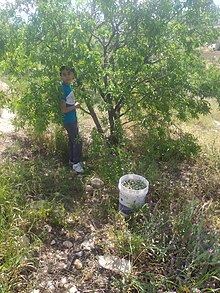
column 68, row 108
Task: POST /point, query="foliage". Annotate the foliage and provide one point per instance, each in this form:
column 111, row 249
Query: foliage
column 133, row 60
column 173, row 241
column 179, row 244
column 32, row 193
column 2, row 99
column 164, row 146
column 142, row 153
column 110, row 162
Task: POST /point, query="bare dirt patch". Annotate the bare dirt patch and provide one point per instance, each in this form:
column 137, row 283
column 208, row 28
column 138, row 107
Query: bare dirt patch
column 211, row 56
column 7, row 130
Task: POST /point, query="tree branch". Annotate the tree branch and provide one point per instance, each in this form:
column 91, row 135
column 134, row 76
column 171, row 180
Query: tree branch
column 90, row 39
column 126, row 122
column 131, row 107
column 90, row 108
column 97, row 38
column 87, row 112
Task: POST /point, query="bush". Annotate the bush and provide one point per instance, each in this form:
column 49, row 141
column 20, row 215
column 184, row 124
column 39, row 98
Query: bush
column 110, row 162
column 166, row 145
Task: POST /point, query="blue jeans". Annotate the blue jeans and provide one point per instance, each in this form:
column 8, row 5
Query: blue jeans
column 75, row 142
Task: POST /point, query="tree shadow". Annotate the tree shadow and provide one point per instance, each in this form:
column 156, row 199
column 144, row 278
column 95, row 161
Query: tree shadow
column 39, row 173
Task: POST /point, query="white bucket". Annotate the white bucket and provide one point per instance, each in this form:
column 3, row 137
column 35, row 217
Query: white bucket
column 129, row 198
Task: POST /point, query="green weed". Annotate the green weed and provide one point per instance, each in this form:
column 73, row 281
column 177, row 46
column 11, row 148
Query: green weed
column 33, row 192
column 172, row 242
column 110, row 162
column 179, row 246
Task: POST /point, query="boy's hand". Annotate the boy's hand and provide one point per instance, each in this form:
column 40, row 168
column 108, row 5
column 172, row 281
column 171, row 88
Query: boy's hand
column 77, row 105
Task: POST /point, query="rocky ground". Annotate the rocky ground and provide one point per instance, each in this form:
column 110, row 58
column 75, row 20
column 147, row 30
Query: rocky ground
column 75, row 259
column 80, row 256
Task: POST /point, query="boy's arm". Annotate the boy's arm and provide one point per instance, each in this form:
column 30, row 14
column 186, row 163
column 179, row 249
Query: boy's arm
column 65, row 109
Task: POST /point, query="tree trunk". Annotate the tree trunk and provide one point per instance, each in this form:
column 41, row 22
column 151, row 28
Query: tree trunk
column 95, row 119
column 116, row 134
column 90, row 108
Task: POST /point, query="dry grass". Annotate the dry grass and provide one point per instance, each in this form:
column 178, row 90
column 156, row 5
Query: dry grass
column 207, row 130
column 211, row 56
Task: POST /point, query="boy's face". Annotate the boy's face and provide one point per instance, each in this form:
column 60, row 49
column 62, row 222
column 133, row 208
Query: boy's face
column 67, row 76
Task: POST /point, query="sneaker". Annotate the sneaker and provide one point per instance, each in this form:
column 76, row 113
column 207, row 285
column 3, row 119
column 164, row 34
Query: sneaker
column 78, row 168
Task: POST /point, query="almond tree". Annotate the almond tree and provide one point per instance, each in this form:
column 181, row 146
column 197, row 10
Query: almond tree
column 134, row 60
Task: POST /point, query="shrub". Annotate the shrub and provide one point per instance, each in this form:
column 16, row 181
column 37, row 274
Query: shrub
column 110, row 162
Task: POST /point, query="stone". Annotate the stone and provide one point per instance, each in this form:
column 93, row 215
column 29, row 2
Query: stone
column 63, row 281
column 66, row 286
column 53, row 242
column 79, row 254
column 61, row 265
column 89, row 189
column 24, row 241
column 88, row 244
column 115, row 264
column 78, row 264
column 57, row 193
column 51, row 286
column 67, row 244
column 50, row 268
column 96, row 183
column 81, row 233
column 73, row 290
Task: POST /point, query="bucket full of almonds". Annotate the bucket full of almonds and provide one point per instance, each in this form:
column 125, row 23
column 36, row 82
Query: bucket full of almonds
column 132, row 192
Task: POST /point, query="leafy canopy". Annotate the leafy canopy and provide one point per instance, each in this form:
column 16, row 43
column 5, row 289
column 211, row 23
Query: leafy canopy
column 133, row 60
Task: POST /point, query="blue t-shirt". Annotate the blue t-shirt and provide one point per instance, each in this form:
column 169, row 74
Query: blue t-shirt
column 68, row 96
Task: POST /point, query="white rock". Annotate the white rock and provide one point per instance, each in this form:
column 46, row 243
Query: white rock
column 78, row 264
column 96, row 183
column 217, row 123
column 88, row 245
column 67, row 244
column 195, row 290
column 50, row 285
column 61, row 265
column 115, row 264
column 89, row 189
column 63, row 281
column 35, row 291
column 73, row 290
column 3, row 86
column 66, row 286
column 48, row 228
column 53, row 242
column 43, row 284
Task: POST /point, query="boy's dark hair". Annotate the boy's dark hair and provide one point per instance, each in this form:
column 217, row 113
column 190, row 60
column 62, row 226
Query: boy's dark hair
column 68, row 68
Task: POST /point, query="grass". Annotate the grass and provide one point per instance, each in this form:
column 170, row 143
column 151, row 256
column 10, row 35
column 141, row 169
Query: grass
column 171, row 250
column 172, row 242
column 206, row 129
column 34, row 192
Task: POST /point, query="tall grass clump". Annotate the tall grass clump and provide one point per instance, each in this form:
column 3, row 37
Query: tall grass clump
column 171, row 250
column 28, row 204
